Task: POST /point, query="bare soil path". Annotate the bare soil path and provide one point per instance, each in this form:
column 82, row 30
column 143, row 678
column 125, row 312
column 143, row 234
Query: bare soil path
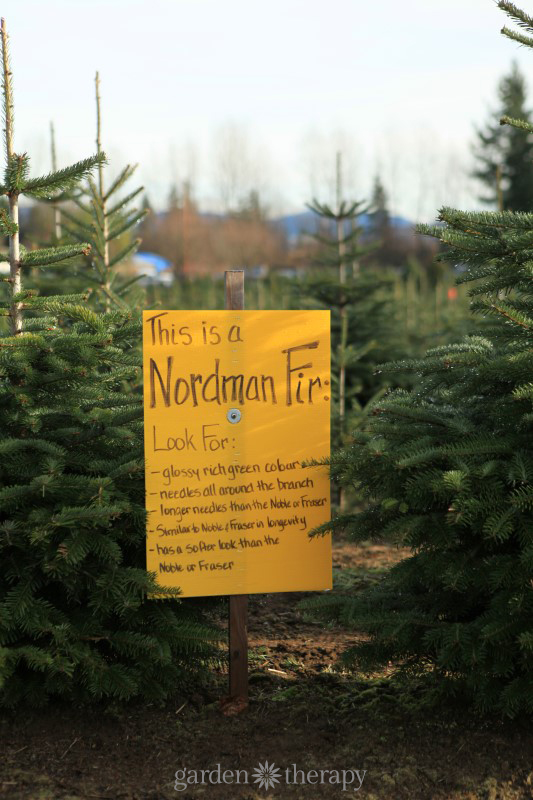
column 303, row 716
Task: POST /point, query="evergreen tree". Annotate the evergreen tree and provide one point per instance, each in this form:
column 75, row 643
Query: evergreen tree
column 504, row 153
column 448, row 471
column 388, row 250
column 380, row 216
column 174, row 199
column 74, row 618
column 107, row 220
column 361, row 316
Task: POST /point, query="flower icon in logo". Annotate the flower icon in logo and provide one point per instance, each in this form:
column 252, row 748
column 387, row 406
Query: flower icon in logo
column 266, row 775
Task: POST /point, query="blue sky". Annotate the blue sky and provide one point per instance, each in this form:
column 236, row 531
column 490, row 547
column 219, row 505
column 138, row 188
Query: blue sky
column 190, row 87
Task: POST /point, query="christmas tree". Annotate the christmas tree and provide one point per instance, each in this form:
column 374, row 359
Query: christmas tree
column 360, row 302
column 75, row 621
column 505, row 153
column 107, row 220
column 447, row 470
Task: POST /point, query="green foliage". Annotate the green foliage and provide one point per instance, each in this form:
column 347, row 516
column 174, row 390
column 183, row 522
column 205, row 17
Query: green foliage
column 522, row 19
column 106, row 220
column 360, row 313
column 7, row 226
column 340, row 288
column 371, row 337
column 447, row 470
column 55, row 184
column 505, row 152
column 75, row 618
column 51, row 186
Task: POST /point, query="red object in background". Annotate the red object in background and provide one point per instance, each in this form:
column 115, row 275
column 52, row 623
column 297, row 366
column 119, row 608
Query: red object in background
column 452, row 293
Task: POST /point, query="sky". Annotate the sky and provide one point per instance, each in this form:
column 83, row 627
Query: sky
column 236, row 94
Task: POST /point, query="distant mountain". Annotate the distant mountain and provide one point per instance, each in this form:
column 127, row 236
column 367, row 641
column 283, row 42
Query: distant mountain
column 294, row 225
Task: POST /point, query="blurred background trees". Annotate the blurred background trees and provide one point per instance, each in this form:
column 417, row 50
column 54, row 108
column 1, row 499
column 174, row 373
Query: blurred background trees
column 187, row 245
column 504, row 154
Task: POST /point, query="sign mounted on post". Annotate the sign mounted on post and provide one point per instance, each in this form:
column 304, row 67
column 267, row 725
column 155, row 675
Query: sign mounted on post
column 234, row 402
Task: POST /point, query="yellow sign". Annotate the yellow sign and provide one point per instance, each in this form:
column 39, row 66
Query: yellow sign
column 234, row 402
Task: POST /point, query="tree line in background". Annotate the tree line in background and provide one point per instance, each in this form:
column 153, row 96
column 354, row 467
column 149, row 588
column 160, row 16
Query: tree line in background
column 199, row 243
column 195, row 242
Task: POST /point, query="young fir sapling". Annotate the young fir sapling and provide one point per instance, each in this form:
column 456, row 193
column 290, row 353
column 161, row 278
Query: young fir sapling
column 107, row 219
column 361, row 318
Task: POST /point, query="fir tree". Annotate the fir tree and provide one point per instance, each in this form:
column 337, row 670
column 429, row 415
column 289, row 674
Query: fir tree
column 361, row 315
column 380, row 216
column 107, row 220
column 504, row 153
column 74, row 618
column 448, row 471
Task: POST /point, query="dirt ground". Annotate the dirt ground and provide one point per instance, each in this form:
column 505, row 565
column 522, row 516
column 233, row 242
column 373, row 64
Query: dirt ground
column 313, row 723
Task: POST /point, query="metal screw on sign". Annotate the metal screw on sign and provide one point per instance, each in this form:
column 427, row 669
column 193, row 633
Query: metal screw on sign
column 234, row 416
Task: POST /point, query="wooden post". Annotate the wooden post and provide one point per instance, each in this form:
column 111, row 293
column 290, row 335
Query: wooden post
column 238, row 603
column 234, row 289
